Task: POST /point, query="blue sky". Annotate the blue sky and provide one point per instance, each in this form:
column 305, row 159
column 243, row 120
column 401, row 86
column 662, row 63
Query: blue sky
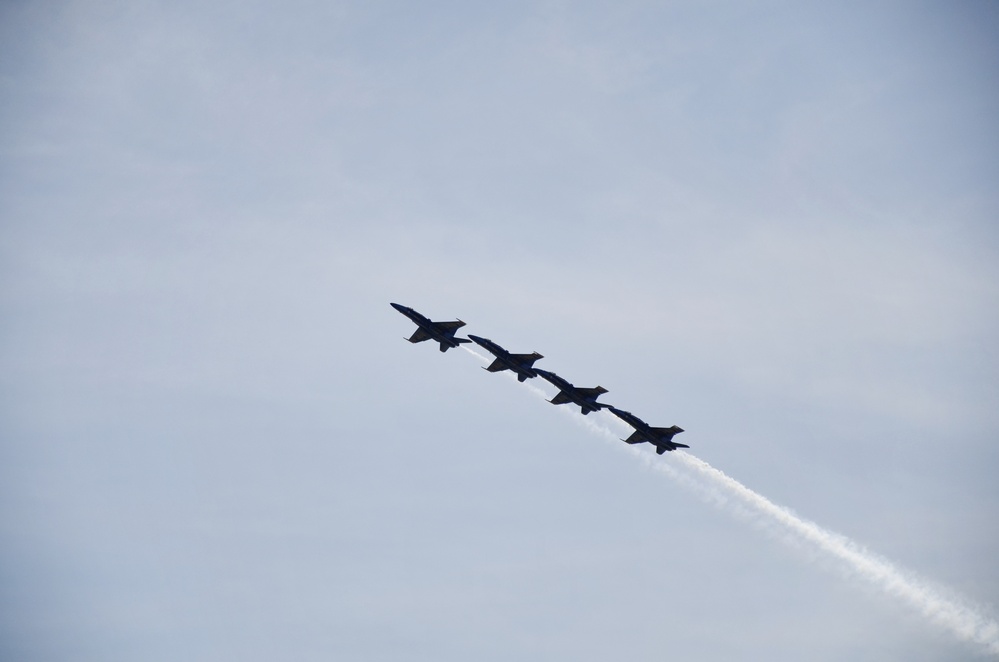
column 772, row 224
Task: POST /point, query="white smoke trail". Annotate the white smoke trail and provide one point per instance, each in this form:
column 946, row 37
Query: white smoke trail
column 962, row 620
column 723, row 491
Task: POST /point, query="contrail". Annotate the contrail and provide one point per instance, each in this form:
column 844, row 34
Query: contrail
column 721, row 490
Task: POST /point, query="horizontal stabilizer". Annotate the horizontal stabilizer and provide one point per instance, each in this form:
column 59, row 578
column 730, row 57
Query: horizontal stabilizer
column 461, row 340
column 667, row 432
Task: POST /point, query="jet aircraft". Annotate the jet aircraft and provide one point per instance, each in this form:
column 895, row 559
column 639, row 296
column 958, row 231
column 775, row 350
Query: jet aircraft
column 661, row 438
column 522, row 364
column 586, row 398
column 442, row 332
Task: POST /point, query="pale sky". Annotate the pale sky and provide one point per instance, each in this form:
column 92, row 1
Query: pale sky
column 772, row 224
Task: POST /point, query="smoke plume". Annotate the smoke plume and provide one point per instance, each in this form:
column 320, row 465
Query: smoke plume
column 712, row 485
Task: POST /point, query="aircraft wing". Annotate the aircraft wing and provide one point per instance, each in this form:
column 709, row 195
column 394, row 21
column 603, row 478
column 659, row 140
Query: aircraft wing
column 525, row 359
column 449, row 326
column 635, row 438
column 419, row 336
column 560, row 399
column 595, row 391
column 496, row 366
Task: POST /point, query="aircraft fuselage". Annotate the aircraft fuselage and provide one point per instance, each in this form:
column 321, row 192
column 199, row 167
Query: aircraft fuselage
column 441, row 332
column 661, row 438
column 522, row 364
column 586, row 398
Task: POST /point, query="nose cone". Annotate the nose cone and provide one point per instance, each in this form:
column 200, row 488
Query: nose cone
column 399, row 307
column 476, row 339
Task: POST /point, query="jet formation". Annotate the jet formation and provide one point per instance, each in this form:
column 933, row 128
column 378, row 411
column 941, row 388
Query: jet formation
column 522, row 365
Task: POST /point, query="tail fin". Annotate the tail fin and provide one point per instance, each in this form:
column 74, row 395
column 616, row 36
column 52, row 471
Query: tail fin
column 445, row 346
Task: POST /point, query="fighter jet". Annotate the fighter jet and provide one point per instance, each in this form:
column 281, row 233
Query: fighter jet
column 442, row 332
column 586, row 398
column 522, row 364
column 661, row 438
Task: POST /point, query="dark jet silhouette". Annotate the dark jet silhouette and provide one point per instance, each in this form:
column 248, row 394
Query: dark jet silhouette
column 442, row 332
column 522, row 364
column 586, row 398
column 661, row 438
